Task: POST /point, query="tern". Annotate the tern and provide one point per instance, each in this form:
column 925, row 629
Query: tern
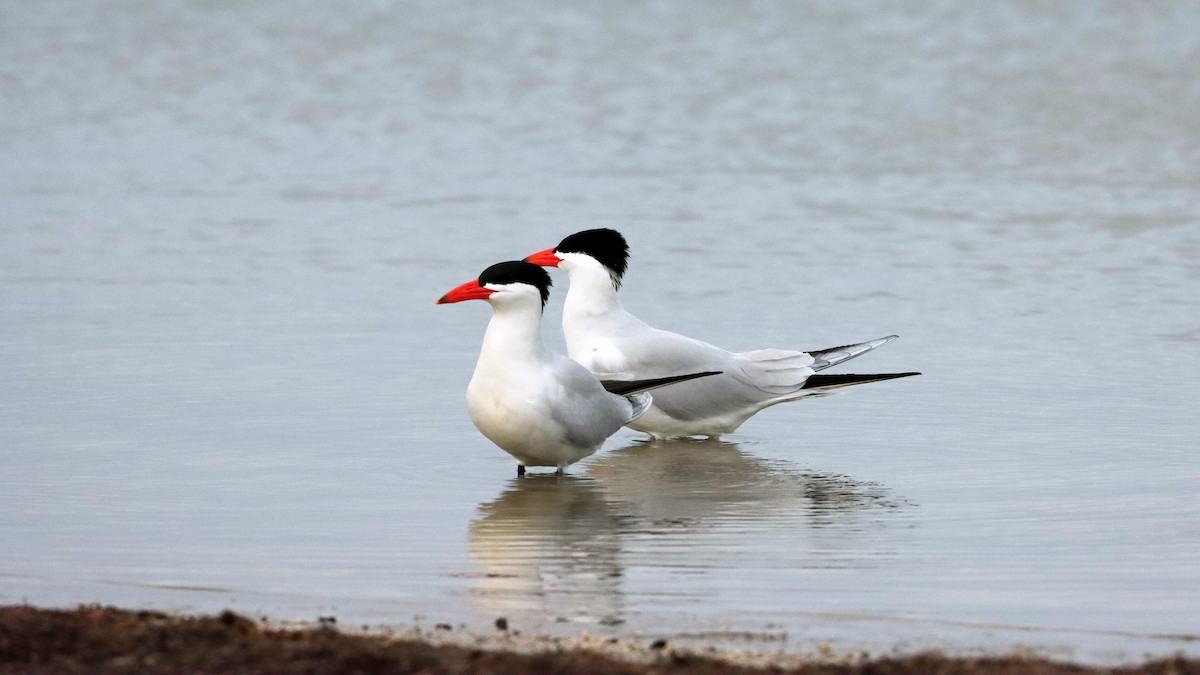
column 607, row 340
column 540, row 407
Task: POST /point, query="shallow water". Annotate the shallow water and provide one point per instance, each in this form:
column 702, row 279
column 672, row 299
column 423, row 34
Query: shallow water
column 225, row 382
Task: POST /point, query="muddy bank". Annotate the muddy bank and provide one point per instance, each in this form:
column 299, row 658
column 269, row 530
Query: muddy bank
column 109, row 640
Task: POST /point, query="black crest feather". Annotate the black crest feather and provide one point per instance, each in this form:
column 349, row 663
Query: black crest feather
column 605, row 245
column 518, row 272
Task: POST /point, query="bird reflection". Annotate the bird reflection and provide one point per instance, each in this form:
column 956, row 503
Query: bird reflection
column 555, row 549
column 714, row 482
column 549, row 546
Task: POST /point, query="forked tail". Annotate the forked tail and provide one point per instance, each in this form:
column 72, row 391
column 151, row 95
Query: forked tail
column 824, row 358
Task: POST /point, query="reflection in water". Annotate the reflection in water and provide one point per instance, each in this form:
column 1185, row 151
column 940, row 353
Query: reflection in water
column 549, row 548
column 711, row 481
column 555, row 549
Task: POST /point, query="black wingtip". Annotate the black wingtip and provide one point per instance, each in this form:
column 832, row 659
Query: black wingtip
column 846, row 380
column 629, row 387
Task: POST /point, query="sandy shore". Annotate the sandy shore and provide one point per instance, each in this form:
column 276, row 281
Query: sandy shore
column 94, row 639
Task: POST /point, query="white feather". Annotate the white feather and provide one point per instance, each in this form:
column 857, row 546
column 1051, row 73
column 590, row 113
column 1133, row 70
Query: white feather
column 605, row 338
column 542, row 408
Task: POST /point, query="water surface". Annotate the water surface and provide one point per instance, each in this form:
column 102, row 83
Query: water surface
column 225, row 383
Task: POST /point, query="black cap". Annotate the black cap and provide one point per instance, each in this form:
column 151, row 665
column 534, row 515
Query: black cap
column 605, row 245
column 518, row 272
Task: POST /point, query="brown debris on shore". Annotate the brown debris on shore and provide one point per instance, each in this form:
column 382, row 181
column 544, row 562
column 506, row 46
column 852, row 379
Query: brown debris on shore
column 106, row 640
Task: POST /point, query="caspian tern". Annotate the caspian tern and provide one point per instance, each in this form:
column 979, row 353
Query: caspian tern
column 542, row 408
column 609, row 341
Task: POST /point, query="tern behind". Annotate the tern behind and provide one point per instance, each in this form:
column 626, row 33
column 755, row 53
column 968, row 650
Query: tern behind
column 542, row 408
column 605, row 338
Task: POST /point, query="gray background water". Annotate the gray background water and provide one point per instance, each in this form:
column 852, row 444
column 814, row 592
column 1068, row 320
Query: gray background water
column 223, row 381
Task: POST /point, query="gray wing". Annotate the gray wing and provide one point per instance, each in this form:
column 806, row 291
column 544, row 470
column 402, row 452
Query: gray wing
column 749, row 380
column 746, row 381
column 586, row 412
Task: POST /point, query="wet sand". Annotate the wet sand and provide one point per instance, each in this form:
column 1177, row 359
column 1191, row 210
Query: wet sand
column 93, row 639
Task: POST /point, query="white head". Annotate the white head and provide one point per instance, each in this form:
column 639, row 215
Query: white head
column 590, row 253
column 507, row 284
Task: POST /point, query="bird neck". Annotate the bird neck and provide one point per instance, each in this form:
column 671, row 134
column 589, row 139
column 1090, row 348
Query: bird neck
column 513, row 335
column 592, row 293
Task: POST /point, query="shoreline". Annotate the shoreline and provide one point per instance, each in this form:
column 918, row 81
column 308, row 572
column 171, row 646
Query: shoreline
column 102, row 639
